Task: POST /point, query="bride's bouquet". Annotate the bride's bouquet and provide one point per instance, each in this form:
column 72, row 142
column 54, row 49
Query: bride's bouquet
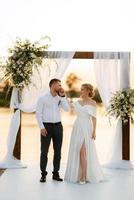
column 122, row 105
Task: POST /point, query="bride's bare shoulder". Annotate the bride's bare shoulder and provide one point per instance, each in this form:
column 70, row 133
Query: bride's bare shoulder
column 92, row 102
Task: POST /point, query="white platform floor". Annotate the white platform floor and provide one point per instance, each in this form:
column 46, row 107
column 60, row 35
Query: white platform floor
column 23, row 184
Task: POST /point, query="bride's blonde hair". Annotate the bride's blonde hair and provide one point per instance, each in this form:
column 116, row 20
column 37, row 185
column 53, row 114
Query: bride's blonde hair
column 90, row 88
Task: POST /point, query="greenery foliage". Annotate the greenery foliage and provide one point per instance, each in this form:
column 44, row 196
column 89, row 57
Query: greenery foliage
column 23, row 57
column 122, row 105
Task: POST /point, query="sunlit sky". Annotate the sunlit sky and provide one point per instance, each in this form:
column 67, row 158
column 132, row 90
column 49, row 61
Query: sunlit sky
column 71, row 24
column 92, row 25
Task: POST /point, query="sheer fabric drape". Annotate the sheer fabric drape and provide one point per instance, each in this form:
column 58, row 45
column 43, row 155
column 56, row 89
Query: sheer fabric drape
column 112, row 72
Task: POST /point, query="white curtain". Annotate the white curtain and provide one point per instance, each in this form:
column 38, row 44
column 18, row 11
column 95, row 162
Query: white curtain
column 9, row 161
column 112, row 72
column 53, row 67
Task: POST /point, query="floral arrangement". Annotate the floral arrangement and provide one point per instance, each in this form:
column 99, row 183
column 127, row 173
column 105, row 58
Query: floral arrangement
column 25, row 55
column 122, row 105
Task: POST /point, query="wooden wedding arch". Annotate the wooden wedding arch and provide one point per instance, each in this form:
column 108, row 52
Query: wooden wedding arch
column 125, row 127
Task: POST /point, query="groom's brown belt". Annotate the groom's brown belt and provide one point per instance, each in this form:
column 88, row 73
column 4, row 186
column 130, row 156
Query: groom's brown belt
column 50, row 123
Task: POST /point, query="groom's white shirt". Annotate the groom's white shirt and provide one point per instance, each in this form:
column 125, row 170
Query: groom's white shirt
column 48, row 108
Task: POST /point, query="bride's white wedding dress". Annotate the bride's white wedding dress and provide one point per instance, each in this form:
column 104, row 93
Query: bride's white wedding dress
column 82, row 132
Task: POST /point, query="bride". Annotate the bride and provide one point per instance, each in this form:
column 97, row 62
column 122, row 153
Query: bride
column 83, row 165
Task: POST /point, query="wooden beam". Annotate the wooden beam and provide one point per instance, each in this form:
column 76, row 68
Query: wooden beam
column 17, row 147
column 77, row 55
column 126, row 140
column 83, row 55
column 126, row 126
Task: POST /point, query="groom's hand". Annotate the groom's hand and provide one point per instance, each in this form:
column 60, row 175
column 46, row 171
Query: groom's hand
column 44, row 132
column 62, row 92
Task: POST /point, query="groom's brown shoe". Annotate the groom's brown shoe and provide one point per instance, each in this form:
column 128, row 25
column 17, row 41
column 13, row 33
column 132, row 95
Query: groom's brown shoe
column 56, row 176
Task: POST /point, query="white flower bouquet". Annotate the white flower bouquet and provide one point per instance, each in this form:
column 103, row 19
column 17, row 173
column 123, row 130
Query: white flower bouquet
column 122, row 105
column 22, row 57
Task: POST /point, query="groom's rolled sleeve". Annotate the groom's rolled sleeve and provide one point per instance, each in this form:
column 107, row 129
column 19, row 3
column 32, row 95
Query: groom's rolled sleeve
column 39, row 112
column 64, row 103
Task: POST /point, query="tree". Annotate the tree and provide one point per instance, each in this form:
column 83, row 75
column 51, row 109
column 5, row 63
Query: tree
column 71, row 81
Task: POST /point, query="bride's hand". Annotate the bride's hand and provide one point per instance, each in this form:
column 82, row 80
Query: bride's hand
column 94, row 136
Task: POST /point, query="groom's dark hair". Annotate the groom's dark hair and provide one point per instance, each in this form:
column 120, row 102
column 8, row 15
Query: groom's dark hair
column 52, row 81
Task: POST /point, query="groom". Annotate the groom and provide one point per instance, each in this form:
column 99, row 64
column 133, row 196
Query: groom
column 49, row 120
